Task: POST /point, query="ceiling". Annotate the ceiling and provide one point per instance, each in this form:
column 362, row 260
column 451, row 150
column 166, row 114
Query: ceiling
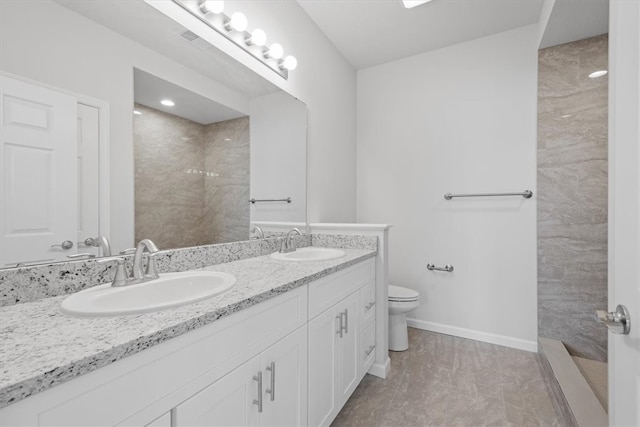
column 372, row 32
column 149, row 90
column 573, row 20
column 366, row 32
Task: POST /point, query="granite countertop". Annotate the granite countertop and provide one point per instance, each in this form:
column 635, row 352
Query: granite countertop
column 41, row 347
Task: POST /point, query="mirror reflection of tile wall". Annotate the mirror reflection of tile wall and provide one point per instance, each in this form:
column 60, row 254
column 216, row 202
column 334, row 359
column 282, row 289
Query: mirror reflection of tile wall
column 191, row 180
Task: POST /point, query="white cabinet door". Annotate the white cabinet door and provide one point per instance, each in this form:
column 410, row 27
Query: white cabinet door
column 163, row 421
column 284, row 373
column 38, row 179
column 269, row 390
column 347, row 350
column 227, row 402
column 333, row 360
column 324, row 335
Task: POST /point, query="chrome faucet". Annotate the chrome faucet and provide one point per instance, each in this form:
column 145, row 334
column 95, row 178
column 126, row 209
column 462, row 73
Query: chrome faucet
column 288, row 245
column 139, row 274
column 258, row 230
column 103, row 242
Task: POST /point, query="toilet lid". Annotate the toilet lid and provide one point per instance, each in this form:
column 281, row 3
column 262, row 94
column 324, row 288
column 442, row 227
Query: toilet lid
column 398, row 293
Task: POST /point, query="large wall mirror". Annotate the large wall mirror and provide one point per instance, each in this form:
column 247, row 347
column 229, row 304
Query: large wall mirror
column 204, row 171
column 181, row 175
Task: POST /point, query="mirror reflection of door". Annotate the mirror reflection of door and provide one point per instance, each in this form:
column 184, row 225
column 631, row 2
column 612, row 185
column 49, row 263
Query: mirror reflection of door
column 48, row 172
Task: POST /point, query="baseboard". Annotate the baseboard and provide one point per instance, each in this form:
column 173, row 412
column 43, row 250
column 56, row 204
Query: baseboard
column 380, row 369
column 503, row 340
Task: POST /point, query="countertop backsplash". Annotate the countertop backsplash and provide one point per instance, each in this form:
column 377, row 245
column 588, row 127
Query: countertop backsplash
column 25, row 284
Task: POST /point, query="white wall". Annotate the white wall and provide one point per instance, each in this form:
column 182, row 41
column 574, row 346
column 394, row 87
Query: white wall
column 278, row 158
column 460, row 119
column 326, row 82
column 58, row 47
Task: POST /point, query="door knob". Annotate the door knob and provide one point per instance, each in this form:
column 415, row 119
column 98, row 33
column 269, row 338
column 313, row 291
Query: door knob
column 617, row 321
column 66, row 245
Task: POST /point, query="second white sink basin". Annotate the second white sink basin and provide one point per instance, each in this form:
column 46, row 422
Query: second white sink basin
column 170, row 290
column 310, row 253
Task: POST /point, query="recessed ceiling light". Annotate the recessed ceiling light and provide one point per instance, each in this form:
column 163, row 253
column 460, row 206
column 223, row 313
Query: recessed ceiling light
column 167, row 103
column 413, row 3
column 596, row 74
column 136, row 112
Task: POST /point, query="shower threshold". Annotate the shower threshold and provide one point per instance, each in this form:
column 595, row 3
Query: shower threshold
column 579, row 385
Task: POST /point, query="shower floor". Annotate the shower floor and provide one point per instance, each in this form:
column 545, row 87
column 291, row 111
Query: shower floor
column 595, row 372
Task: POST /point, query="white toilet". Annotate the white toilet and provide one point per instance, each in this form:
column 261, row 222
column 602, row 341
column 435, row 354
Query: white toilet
column 401, row 301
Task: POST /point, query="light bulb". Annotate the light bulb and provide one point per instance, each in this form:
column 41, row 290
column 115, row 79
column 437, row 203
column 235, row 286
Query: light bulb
column 237, row 22
column 275, row 51
column 167, row 103
column 258, row 38
column 290, row 63
column 212, row 6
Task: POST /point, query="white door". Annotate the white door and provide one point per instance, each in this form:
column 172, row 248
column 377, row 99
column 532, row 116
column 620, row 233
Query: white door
column 37, row 172
column 624, row 208
column 227, row 402
column 88, row 176
column 284, row 370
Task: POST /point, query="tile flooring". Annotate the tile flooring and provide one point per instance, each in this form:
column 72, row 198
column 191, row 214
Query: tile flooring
column 449, row 381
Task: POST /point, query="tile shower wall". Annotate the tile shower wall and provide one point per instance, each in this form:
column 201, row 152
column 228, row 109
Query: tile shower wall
column 572, row 195
column 227, row 193
column 189, row 182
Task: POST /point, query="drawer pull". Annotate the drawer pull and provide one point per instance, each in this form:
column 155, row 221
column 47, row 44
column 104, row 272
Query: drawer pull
column 346, row 321
column 368, row 306
column 272, row 391
column 340, row 329
column 369, row 350
column 258, row 402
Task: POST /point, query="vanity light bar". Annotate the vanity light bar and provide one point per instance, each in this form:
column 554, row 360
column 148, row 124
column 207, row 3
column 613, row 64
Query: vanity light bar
column 234, row 28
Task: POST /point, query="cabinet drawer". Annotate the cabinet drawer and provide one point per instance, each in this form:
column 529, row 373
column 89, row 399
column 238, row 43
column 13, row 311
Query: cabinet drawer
column 367, row 348
column 367, row 304
column 329, row 290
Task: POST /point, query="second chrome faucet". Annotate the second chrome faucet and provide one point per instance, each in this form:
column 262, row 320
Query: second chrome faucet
column 139, row 273
column 288, row 245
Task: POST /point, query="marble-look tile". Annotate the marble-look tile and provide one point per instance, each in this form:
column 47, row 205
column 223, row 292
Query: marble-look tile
column 572, row 194
column 170, row 225
column 449, row 381
column 192, row 180
column 226, row 193
column 42, row 347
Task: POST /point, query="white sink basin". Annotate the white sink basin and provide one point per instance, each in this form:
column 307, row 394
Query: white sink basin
column 170, row 290
column 310, row 254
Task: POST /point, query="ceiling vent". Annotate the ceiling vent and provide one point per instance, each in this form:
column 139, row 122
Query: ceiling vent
column 193, row 39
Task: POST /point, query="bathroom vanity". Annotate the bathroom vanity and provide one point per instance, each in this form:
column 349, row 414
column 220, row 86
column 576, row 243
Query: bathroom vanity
column 286, row 346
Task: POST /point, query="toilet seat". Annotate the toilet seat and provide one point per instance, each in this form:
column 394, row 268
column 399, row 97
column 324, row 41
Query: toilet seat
column 400, row 294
